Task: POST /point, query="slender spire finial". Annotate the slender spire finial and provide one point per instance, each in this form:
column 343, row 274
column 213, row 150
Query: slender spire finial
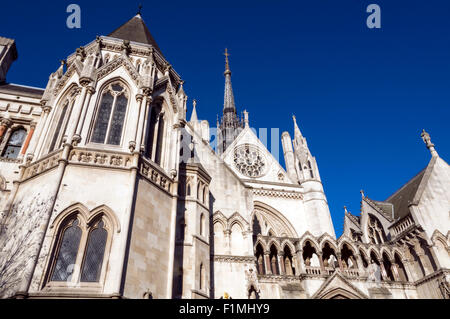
column 427, row 140
column 296, row 128
column 362, row 193
column 227, row 63
column 139, row 9
column 194, row 117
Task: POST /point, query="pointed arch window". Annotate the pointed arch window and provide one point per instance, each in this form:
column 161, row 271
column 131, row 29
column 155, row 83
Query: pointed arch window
column 14, row 144
column 111, row 113
column 79, row 251
column 94, row 253
column 311, row 174
column 202, row 224
column 67, row 251
column 375, row 231
column 155, row 136
column 202, row 278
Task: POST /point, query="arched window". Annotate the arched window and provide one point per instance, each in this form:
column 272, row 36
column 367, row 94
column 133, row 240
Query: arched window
column 202, row 279
column 387, row 267
column 311, row 174
column 14, row 144
column 94, row 254
column 79, row 251
column 376, row 231
column 199, row 191
column 188, row 191
column 288, row 262
column 111, row 112
column 205, row 195
column 202, row 224
column 259, row 254
column 155, row 136
column 401, row 268
column 67, row 251
column 274, row 260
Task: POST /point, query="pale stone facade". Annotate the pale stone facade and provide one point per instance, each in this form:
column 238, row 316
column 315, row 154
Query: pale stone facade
column 107, row 191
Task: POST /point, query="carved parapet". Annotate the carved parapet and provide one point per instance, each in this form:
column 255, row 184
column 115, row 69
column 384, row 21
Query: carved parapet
column 44, row 164
column 277, row 193
column 153, row 174
column 100, row 158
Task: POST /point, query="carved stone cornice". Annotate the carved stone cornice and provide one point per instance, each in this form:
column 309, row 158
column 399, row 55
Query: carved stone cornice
column 235, row 259
column 277, row 193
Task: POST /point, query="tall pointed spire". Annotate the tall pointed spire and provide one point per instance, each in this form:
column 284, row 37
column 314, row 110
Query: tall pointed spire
column 296, row 128
column 228, row 102
column 230, row 123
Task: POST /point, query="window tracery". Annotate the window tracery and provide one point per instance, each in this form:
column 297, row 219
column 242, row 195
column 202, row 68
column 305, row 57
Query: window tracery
column 111, row 113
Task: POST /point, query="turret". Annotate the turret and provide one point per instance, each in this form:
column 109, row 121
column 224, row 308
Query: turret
column 289, row 159
column 316, row 205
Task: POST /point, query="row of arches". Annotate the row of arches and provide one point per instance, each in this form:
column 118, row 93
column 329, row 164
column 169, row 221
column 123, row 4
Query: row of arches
column 274, row 258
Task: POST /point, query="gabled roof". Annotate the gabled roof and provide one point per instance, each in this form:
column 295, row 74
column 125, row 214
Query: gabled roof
column 135, row 30
column 384, row 208
column 405, row 195
column 337, row 285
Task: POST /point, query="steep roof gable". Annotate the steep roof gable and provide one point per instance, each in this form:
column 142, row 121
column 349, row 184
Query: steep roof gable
column 135, row 30
column 336, row 285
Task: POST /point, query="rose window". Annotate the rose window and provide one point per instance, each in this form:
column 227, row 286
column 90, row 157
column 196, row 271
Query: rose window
column 249, row 161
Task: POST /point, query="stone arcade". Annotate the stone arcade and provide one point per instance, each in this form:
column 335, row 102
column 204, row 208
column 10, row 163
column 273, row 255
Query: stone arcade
column 98, row 201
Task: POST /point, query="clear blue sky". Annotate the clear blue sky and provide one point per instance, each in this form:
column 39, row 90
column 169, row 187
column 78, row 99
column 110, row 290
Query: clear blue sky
column 361, row 96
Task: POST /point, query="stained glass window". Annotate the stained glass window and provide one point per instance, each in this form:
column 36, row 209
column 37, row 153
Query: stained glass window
column 14, row 144
column 67, row 253
column 117, row 120
column 101, row 125
column 94, row 255
column 111, row 116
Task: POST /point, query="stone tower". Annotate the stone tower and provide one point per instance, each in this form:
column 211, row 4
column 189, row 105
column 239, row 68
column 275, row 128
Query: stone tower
column 302, row 168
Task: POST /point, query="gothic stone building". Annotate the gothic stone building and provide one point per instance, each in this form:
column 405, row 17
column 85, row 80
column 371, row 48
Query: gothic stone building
column 107, row 191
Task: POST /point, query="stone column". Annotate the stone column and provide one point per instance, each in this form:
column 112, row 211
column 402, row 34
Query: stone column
column 383, row 271
column 90, row 91
column 76, row 111
column 155, row 137
column 394, row 269
column 322, row 266
column 28, row 139
column 137, row 132
column 339, row 256
column 268, row 264
column 281, row 264
column 143, row 132
column 42, row 132
column 300, row 261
